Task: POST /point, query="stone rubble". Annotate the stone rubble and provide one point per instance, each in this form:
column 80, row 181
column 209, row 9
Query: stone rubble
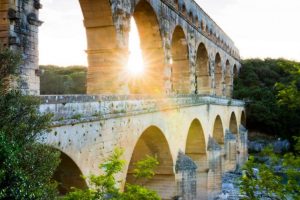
column 230, row 189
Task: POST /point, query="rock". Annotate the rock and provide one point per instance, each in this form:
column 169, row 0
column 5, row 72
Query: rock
column 227, row 186
column 230, row 189
column 255, row 146
column 281, row 146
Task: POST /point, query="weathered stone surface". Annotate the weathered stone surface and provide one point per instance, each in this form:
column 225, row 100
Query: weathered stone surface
column 213, row 145
column 186, row 55
column 203, row 64
column 88, row 128
column 187, row 182
column 184, row 163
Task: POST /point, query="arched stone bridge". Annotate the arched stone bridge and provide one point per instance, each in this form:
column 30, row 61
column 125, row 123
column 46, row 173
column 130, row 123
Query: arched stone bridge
column 189, row 121
column 184, row 50
column 195, row 138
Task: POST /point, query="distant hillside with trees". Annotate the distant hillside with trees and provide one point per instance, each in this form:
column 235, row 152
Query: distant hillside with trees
column 63, row 80
column 271, row 89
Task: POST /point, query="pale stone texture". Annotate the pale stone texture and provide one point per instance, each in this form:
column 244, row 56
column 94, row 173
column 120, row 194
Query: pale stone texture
column 88, row 128
column 107, row 26
column 186, row 55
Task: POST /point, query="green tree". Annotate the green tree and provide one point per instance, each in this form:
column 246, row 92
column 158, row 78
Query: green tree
column 105, row 186
column 63, row 80
column 26, row 167
column 271, row 90
column 266, row 182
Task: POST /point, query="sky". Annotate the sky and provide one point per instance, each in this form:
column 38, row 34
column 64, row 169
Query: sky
column 259, row 28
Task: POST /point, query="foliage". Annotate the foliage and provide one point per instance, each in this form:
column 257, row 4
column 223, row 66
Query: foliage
column 9, row 62
column 26, row 167
column 63, row 80
column 271, row 90
column 144, row 168
column 266, row 182
column 105, row 186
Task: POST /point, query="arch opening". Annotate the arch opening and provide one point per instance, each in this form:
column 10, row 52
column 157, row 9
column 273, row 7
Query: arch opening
column 218, row 75
column 180, row 62
column 231, row 144
column 202, row 70
column 105, row 58
column 196, row 150
column 218, row 131
column 243, row 119
column 68, row 175
column 152, row 81
column 228, row 80
column 233, row 127
column 153, row 143
column 235, row 72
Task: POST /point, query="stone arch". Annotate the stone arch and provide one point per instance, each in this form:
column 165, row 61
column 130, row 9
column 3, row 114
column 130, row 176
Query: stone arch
column 153, row 142
column 231, row 143
column 196, row 150
column 228, row 83
column 196, row 21
column 148, row 27
column 233, row 126
column 218, row 131
column 180, row 64
column 191, row 16
column 176, row 4
column 202, row 24
column 243, row 119
column 202, row 70
column 235, row 71
column 68, row 175
column 183, row 9
column 218, row 75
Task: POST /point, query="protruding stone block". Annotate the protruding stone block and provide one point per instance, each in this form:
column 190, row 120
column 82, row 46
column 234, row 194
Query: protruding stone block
column 186, row 177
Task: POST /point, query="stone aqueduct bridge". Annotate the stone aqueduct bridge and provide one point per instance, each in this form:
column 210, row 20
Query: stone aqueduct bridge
column 184, row 50
column 180, row 110
column 195, row 138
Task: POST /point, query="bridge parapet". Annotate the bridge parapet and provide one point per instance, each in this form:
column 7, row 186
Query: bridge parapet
column 82, row 108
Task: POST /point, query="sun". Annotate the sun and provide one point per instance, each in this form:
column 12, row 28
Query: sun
column 135, row 64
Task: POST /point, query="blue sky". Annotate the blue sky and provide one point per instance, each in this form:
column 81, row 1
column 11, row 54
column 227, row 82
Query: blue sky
column 259, row 28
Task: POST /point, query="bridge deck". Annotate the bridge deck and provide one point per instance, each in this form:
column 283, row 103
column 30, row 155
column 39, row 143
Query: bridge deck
column 81, row 108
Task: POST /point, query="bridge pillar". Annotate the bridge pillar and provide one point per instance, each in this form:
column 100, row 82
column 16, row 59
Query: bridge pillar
column 186, row 177
column 167, row 43
column 107, row 40
column 214, row 181
column 223, row 80
column 230, row 151
column 213, row 77
column 242, row 145
column 19, row 32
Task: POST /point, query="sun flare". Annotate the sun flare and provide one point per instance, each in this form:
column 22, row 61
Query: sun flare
column 135, row 63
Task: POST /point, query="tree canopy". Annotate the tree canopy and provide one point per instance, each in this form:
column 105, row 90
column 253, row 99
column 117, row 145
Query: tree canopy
column 271, row 89
column 63, row 80
column 26, row 166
